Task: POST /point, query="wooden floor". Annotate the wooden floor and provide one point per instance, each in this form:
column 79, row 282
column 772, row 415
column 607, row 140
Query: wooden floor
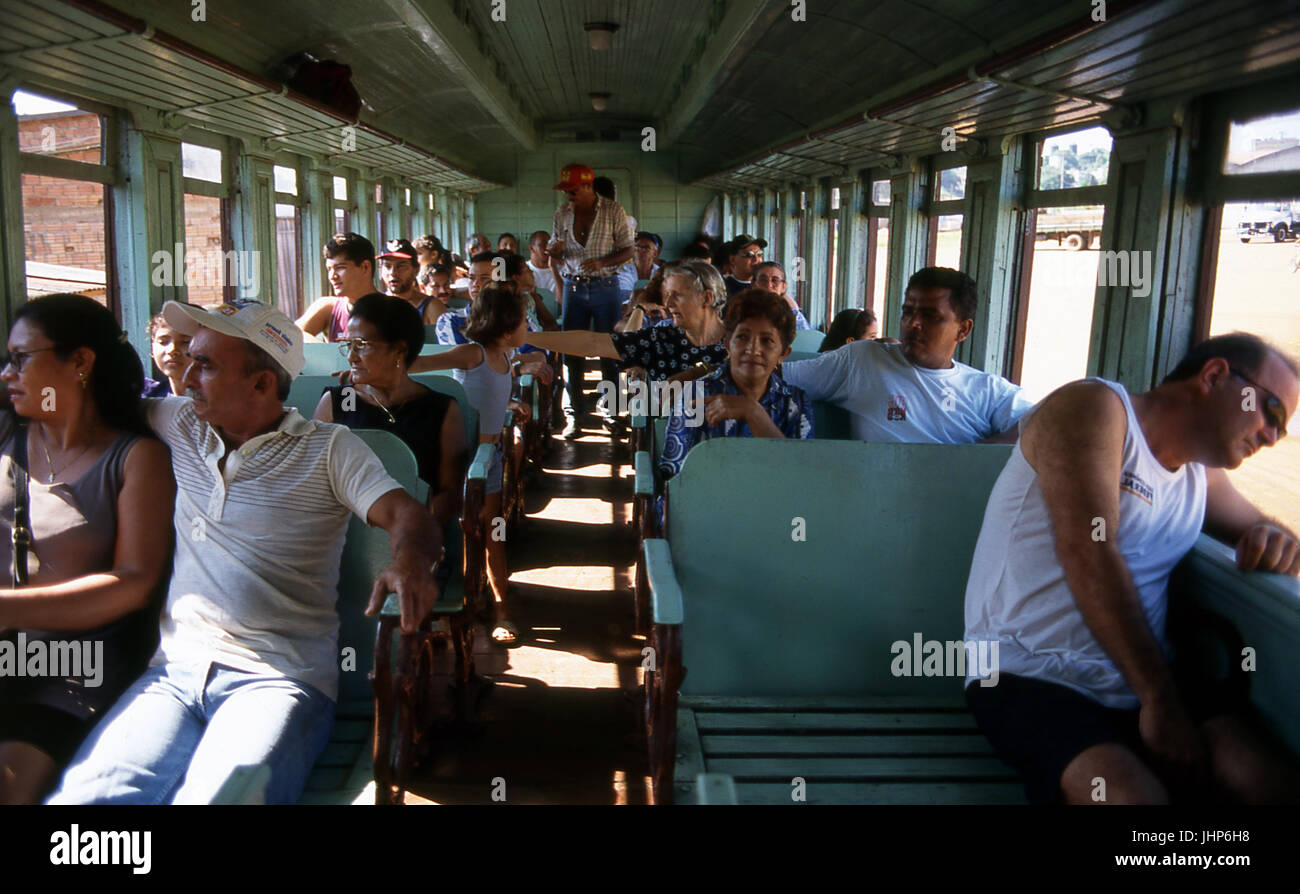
column 560, row 722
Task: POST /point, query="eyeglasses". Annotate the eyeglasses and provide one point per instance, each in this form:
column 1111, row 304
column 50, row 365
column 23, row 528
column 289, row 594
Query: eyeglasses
column 18, row 359
column 360, row 345
column 752, row 255
column 1273, row 410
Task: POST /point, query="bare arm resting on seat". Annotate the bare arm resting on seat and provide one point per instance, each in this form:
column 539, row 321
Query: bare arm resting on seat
column 416, row 545
column 1262, row 543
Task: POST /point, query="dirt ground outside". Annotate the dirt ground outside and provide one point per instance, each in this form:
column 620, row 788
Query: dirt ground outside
column 1255, row 291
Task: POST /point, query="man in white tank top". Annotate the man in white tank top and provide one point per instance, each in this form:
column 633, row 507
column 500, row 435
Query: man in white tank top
column 1104, row 493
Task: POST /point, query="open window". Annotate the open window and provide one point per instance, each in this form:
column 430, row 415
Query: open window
column 947, row 214
column 1062, row 244
column 210, row 267
column 1251, row 274
column 66, row 198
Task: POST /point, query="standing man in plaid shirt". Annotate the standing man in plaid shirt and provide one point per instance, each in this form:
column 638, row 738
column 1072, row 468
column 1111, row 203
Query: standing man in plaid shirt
column 589, row 241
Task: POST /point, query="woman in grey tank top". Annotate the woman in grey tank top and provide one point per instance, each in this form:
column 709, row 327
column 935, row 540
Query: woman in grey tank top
column 99, row 505
column 497, row 325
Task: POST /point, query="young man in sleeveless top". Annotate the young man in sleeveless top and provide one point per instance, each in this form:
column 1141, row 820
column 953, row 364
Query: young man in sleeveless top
column 350, row 261
column 399, row 271
column 1104, row 493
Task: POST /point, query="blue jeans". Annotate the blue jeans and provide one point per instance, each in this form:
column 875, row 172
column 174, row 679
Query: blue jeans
column 596, row 302
column 177, row 732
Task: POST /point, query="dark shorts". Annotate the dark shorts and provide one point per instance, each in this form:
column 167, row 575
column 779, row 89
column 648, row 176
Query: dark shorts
column 1039, row 728
column 55, row 732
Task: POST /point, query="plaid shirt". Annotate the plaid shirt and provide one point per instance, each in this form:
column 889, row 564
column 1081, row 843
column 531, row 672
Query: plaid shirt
column 609, row 234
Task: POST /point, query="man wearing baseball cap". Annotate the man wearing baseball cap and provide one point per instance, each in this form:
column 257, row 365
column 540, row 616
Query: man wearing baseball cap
column 589, row 240
column 744, row 253
column 399, row 272
column 246, row 671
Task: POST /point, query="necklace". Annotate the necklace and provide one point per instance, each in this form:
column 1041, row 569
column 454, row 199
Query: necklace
column 392, row 420
column 49, row 463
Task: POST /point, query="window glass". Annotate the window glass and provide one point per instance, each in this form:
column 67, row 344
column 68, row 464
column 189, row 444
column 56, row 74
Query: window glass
column 1062, row 291
column 951, row 185
column 1257, row 289
column 288, row 293
column 947, row 249
column 50, row 127
column 880, row 245
column 341, row 189
column 1264, row 145
column 286, row 179
column 1070, row 160
column 201, row 162
column 880, row 193
column 206, row 268
column 63, row 236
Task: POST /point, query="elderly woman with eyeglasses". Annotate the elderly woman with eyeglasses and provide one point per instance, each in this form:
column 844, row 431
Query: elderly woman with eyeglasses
column 384, row 336
column 694, row 295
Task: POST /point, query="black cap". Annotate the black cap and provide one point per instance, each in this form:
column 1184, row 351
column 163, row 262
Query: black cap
column 399, row 248
column 741, row 241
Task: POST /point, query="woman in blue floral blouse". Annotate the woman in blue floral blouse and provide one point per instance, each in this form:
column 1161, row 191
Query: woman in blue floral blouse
column 745, row 398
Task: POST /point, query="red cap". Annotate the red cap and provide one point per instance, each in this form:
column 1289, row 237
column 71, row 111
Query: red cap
column 572, row 176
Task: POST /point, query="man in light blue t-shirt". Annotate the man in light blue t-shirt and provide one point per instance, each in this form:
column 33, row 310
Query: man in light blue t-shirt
column 914, row 391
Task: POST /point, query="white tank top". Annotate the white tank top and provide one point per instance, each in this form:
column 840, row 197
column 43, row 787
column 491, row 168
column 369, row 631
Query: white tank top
column 1017, row 594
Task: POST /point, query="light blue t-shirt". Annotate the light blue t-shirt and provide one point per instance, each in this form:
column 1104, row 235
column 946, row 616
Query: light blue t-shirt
column 892, row 399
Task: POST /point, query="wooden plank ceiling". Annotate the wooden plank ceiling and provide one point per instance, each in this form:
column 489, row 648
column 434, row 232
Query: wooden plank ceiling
column 762, row 102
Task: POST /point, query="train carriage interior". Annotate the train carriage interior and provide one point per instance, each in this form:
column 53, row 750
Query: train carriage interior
column 1120, row 180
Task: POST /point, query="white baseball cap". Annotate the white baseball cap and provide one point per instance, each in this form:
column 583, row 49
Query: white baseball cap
column 261, row 324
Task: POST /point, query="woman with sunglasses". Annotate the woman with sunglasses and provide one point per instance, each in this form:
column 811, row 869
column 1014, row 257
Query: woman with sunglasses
column 384, row 336
column 94, row 493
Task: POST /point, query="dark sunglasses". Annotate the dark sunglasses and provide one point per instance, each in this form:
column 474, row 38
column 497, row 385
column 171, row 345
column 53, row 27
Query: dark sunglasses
column 1274, row 412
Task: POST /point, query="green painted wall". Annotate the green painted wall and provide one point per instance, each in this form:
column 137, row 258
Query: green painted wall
column 647, row 184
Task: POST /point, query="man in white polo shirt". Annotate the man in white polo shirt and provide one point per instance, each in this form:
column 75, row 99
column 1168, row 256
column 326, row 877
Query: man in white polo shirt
column 914, row 391
column 247, row 668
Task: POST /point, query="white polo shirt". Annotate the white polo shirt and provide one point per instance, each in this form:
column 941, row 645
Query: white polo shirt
column 892, row 399
column 255, row 582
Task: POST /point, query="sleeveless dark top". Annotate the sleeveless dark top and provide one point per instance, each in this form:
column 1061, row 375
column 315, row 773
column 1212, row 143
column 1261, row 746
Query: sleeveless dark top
column 418, row 423
column 74, row 533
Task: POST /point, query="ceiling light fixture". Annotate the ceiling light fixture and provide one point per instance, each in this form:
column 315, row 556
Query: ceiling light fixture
column 600, row 35
column 600, row 101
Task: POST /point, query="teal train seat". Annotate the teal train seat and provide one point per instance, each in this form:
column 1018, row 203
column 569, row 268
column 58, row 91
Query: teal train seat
column 357, row 751
column 322, row 358
column 781, row 604
column 807, row 341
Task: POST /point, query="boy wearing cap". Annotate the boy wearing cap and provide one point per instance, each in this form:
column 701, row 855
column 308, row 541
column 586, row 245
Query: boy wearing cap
column 350, row 264
column 590, row 239
column 399, row 272
column 246, row 670
column 744, row 253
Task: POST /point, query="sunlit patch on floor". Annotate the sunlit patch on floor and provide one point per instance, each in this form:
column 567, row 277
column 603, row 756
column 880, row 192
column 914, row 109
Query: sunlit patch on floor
column 590, row 578
column 562, row 669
